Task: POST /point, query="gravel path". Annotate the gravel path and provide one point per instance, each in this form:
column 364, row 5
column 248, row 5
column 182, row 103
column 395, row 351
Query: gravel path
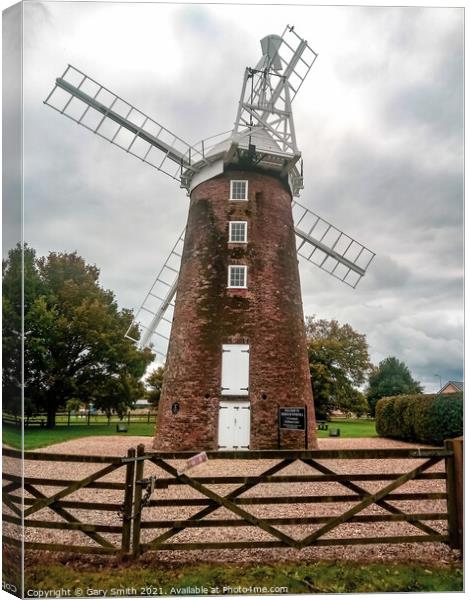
column 117, row 446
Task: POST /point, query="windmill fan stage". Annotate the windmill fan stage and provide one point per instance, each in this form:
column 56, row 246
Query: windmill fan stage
column 226, row 307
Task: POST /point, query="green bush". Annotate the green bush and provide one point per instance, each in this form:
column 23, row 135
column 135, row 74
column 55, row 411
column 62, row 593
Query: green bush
column 445, row 418
column 426, row 418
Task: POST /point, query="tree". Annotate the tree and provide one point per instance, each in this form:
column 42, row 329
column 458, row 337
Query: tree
column 155, row 382
column 391, row 378
column 339, row 363
column 20, row 260
column 74, row 334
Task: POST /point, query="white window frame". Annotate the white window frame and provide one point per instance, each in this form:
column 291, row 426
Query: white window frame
column 230, row 228
column 245, row 270
column 234, row 181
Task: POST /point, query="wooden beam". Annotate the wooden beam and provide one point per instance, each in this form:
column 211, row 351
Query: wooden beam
column 107, row 506
column 408, row 539
column 371, row 499
column 220, row 480
column 67, row 548
column 232, row 495
column 128, row 504
column 227, row 503
column 296, row 499
column 192, row 523
column 353, row 454
column 137, row 516
column 73, row 487
column 382, row 503
column 69, row 517
column 454, row 468
column 49, row 456
column 99, row 485
column 72, row 526
column 8, row 502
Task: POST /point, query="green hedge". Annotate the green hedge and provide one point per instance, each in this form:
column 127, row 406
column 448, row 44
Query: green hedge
column 426, row 418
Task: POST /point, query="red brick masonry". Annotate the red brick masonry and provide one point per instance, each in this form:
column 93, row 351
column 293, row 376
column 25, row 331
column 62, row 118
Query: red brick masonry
column 267, row 315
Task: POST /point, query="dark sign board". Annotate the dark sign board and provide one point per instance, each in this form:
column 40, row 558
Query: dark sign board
column 292, row 418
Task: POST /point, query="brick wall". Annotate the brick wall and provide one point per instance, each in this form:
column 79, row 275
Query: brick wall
column 267, row 315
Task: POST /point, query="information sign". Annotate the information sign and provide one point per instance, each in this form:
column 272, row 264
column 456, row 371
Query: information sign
column 292, row 418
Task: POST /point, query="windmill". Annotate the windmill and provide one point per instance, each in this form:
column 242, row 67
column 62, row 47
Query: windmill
column 226, row 306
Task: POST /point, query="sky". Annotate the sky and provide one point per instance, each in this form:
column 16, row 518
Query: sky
column 379, row 122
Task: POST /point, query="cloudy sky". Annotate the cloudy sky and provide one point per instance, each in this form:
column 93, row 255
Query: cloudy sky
column 379, row 122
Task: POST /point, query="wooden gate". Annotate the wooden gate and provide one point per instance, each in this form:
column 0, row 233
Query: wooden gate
column 211, row 498
column 23, row 506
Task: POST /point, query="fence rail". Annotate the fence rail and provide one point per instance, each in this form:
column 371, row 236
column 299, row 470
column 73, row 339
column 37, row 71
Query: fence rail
column 141, row 526
column 74, row 419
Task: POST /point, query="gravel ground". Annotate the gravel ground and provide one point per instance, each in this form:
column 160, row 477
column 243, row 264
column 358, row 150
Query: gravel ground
column 117, row 446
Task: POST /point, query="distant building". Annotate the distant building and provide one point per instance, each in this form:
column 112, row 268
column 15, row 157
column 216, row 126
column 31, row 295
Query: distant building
column 142, row 403
column 451, row 387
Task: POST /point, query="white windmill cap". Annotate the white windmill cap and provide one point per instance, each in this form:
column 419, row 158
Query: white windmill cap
column 221, row 153
column 258, row 136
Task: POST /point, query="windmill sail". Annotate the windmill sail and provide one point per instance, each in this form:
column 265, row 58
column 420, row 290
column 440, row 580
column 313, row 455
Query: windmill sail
column 325, row 246
column 155, row 315
column 93, row 106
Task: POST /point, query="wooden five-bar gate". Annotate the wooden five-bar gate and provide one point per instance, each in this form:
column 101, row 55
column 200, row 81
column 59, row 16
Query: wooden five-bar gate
column 155, row 504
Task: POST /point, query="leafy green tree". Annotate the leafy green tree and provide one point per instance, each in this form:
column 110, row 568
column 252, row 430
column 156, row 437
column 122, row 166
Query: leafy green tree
column 74, row 335
column 357, row 404
column 391, row 378
column 154, row 383
column 339, row 363
column 18, row 261
column 73, row 405
column 117, row 394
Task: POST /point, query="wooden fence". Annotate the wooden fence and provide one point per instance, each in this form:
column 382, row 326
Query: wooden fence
column 73, row 419
column 138, row 499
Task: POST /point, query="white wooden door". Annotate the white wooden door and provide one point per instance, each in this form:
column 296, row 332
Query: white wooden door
column 242, row 425
column 235, row 369
column 234, row 425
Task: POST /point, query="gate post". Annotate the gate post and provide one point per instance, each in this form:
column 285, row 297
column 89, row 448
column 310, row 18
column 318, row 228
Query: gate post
column 454, row 484
column 139, row 473
column 128, row 503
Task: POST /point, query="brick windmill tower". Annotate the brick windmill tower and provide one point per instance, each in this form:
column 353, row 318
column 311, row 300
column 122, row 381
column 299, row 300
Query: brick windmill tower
column 227, row 303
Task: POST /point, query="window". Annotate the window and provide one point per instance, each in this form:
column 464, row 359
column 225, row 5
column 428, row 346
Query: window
column 235, row 369
column 238, row 190
column 237, row 276
column 237, row 231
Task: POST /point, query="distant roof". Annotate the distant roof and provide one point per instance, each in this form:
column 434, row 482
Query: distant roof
column 457, row 384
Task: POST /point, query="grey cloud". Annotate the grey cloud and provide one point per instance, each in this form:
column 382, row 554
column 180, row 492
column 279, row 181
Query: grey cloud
column 366, row 174
column 386, row 274
column 436, row 104
column 395, row 183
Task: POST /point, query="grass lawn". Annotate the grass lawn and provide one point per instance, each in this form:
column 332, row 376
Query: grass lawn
column 352, row 428
column 324, row 577
column 36, row 437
